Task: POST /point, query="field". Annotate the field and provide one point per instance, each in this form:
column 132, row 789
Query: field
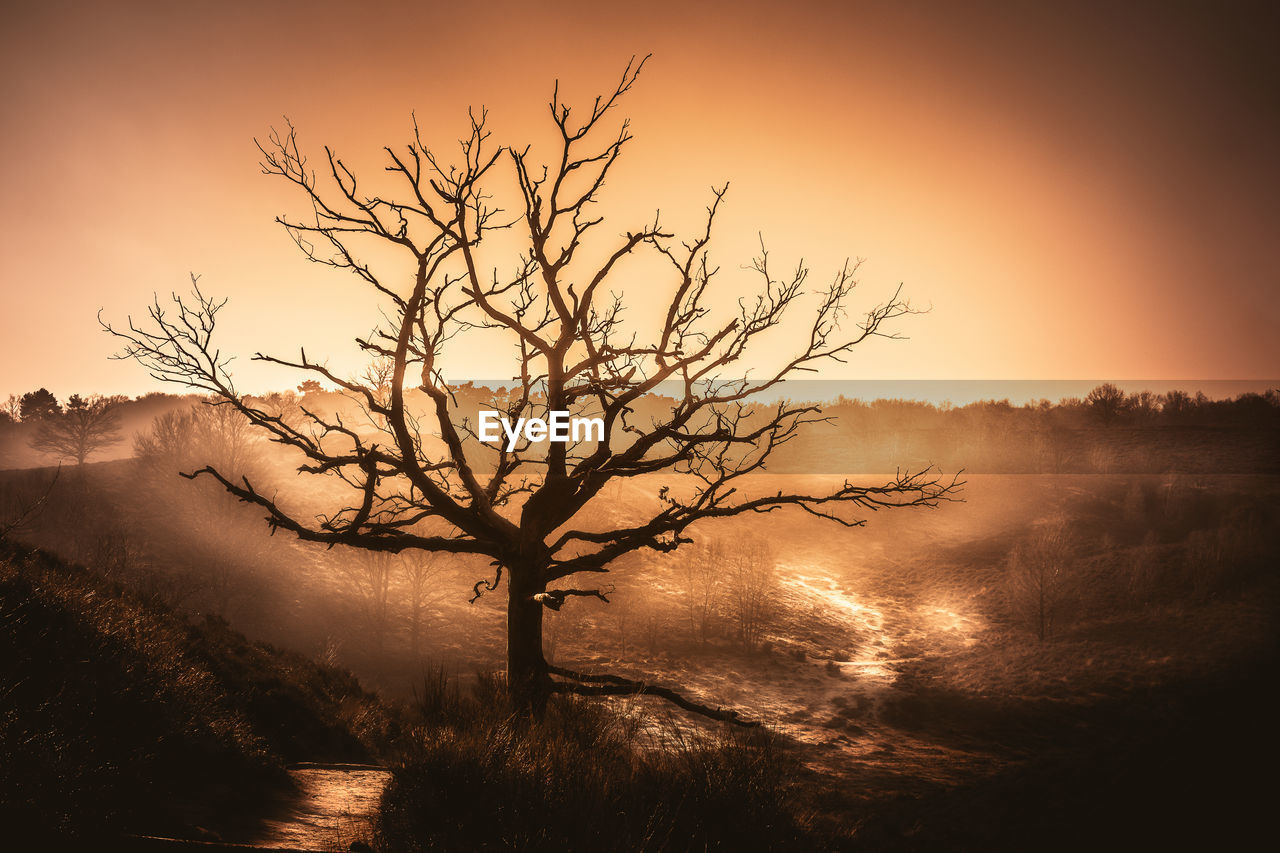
column 900, row 666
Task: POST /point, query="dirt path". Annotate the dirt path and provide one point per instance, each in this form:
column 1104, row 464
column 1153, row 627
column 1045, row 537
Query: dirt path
column 334, row 806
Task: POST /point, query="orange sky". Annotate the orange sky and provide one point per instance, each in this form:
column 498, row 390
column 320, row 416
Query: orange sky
column 1077, row 193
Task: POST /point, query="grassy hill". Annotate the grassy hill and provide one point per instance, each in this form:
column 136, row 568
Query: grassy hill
column 119, row 714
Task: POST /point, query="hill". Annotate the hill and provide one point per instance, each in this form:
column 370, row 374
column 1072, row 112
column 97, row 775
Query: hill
column 121, row 714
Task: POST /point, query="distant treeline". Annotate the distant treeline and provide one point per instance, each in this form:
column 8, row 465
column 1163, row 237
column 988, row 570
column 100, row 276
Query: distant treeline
column 1107, row 431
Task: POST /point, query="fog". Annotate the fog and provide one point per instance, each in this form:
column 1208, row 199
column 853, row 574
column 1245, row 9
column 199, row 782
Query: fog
column 1090, row 557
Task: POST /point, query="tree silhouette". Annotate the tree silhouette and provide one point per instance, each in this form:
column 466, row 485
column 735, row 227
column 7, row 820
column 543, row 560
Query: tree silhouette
column 87, row 426
column 39, row 404
column 1040, row 572
column 573, row 351
column 752, row 589
column 421, row 573
column 1107, row 402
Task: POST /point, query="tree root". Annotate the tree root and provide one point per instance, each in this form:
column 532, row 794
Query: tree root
column 587, row 684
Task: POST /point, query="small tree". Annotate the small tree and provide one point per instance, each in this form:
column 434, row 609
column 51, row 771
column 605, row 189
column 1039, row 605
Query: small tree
column 203, row 433
column 368, row 576
column 87, row 426
column 422, row 572
column 215, row 543
column 751, row 589
column 1041, row 580
column 702, row 574
column 555, row 305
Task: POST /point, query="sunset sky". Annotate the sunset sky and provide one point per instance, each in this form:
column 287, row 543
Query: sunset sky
column 1079, row 192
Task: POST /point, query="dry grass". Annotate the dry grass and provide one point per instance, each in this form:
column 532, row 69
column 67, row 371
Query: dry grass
column 584, row 777
column 122, row 715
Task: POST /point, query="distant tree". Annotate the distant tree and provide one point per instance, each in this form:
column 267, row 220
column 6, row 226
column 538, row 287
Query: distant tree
column 309, row 386
column 281, row 407
column 377, row 376
column 39, row 404
column 1250, row 408
column 1106, row 403
column 1176, row 404
column 702, row 574
column 422, row 572
column 87, row 426
column 1040, row 575
column 178, row 438
column 1143, row 406
column 219, row 541
column 12, row 408
column 368, row 577
column 751, row 589
column 426, row 246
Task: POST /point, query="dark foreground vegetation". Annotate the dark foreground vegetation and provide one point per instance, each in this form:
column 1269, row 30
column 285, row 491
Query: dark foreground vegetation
column 120, row 714
column 584, row 777
column 123, row 715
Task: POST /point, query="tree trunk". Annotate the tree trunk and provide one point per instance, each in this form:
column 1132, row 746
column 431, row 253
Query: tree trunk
column 527, row 676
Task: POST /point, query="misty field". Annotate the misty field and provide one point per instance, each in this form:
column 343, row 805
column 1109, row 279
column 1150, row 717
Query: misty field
column 1058, row 657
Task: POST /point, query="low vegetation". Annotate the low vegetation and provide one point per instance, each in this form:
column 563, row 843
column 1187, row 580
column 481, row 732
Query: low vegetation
column 585, row 777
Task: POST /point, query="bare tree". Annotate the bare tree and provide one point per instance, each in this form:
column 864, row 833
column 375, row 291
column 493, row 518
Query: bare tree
column 1040, row 575
column 559, row 308
column 422, row 572
column 368, row 576
column 12, row 408
column 220, row 552
column 209, row 433
column 702, row 573
column 751, row 589
column 377, row 377
column 85, row 427
column 1107, row 402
